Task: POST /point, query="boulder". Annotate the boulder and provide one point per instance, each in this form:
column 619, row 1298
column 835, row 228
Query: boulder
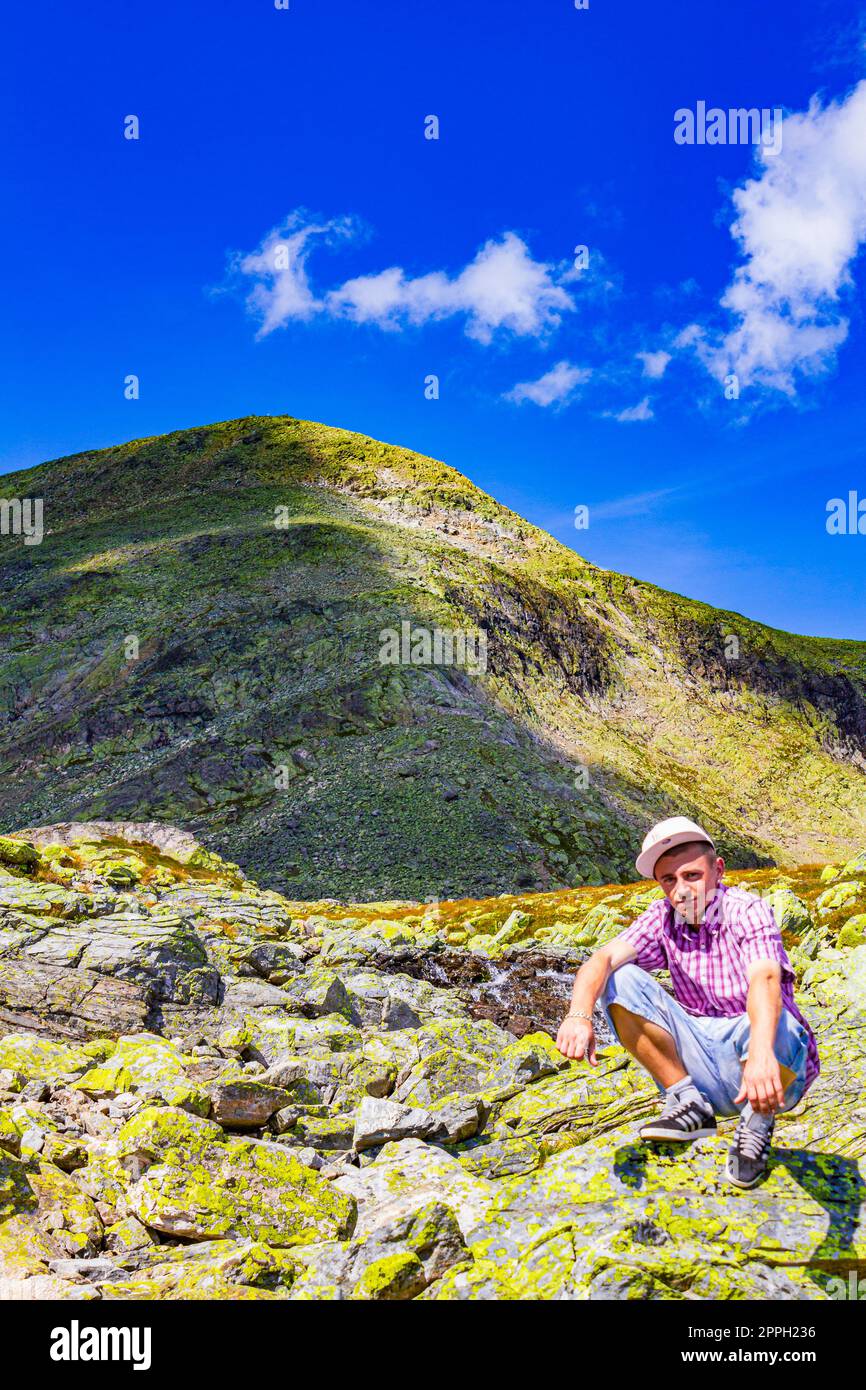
column 397, row 1013
column 853, row 932
column 839, row 895
column 19, row 853
column 412, row 1172
column 516, row 926
column 439, row 1074
column 325, row 1132
column 244, row 1104
column 456, row 1118
column 790, row 912
column 403, row 1252
column 194, row 1181
column 138, row 1060
column 41, row 1059
column 378, row 1121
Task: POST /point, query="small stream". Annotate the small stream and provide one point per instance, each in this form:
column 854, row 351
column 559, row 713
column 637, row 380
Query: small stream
column 524, row 991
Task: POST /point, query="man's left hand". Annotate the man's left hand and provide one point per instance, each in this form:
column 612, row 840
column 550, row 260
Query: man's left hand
column 762, row 1084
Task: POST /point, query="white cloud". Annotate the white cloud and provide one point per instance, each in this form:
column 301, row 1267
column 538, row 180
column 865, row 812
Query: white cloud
column 554, row 388
column 641, row 411
column 689, row 336
column 502, row 289
column 638, row 504
column 282, row 290
column 799, row 224
column 654, row 363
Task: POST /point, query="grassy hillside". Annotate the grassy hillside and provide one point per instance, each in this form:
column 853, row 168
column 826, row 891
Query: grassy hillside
column 257, row 714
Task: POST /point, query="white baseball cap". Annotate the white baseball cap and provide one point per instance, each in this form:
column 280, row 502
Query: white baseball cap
column 666, row 836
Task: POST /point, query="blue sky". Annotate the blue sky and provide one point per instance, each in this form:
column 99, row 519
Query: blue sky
column 283, row 239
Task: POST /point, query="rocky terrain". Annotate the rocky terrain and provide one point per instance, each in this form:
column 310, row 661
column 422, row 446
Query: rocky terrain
column 209, row 1091
column 196, row 641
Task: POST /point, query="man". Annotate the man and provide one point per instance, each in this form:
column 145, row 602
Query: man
column 732, row 1039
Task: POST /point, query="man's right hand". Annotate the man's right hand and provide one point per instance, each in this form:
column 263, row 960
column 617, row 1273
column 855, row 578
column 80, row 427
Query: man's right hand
column 576, row 1038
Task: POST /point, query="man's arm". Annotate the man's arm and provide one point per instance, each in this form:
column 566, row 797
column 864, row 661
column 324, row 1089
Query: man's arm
column 576, row 1036
column 762, row 1080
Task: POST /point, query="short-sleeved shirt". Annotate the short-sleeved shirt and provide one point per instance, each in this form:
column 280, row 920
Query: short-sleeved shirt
column 708, row 964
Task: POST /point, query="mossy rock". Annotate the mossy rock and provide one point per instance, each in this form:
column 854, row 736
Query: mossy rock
column 396, row 1276
column 791, row 913
column 139, row 1059
column 853, row 933
column 516, row 927
column 44, row 1214
column 19, row 853
column 10, row 1134
column 40, row 1059
column 104, row 1178
column 439, row 1074
column 128, row 1234
column 840, row 895
column 199, row 1183
column 476, row 1280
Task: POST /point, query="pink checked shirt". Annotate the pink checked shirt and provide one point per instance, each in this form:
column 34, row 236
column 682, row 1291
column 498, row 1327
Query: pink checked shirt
column 708, row 964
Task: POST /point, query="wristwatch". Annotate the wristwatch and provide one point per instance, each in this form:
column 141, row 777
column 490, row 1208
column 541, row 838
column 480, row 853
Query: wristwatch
column 578, row 1013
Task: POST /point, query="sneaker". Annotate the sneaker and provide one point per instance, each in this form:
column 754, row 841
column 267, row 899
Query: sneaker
column 749, row 1154
column 681, row 1119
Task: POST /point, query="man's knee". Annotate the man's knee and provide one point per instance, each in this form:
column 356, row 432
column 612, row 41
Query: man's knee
column 788, row 1044
column 623, row 983
column 790, row 1051
column 790, row 1033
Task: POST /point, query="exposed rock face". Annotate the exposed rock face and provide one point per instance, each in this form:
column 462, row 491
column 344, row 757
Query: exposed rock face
column 151, row 836
column 171, row 655
column 207, row 1091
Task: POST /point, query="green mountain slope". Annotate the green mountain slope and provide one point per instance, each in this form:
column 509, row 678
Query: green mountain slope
column 256, row 711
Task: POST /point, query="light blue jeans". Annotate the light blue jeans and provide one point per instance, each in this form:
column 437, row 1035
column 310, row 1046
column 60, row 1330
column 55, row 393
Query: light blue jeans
column 712, row 1049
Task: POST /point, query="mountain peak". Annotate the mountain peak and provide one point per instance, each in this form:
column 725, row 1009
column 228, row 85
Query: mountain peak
column 198, row 641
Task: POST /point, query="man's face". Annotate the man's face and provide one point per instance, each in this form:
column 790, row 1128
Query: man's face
column 689, row 877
